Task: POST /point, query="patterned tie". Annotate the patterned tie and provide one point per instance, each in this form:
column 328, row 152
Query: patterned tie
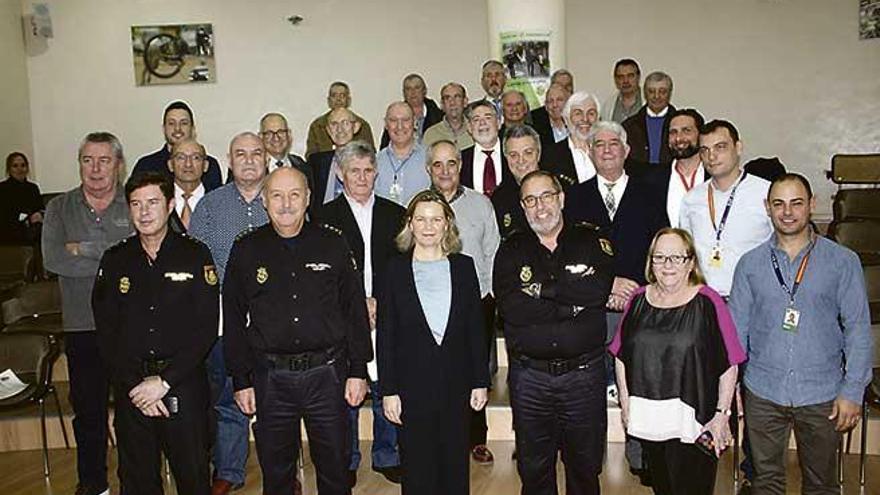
column 489, row 174
column 186, row 213
column 610, row 201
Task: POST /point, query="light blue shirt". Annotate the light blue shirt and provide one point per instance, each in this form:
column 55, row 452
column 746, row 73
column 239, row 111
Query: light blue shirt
column 434, row 287
column 400, row 179
column 830, row 352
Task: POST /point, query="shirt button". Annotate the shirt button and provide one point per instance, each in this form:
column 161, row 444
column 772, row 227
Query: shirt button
column 296, row 319
column 295, row 296
column 292, row 274
column 152, row 352
column 250, row 214
column 296, row 341
column 555, row 344
column 152, row 330
column 152, row 308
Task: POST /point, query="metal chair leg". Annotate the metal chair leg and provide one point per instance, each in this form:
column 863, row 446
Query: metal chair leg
column 42, row 403
column 863, row 447
column 840, row 462
column 60, row 418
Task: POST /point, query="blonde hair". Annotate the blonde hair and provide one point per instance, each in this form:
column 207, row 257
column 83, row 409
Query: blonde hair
column 695, row 277
column 451, row 242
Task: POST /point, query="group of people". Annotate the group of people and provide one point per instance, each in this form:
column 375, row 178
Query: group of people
column 581, row 231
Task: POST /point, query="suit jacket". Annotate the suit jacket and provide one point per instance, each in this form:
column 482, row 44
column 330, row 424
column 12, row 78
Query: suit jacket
column 637, row 137
column 433, row 115
column 295, row 160
column 639, row 216
column 387, row 222
column 556, row 158
column 428, row 376
column 319, row 164
column 467, row 168
column 541, row 125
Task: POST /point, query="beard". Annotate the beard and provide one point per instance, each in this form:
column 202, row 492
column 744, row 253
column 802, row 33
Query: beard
column 684, row 153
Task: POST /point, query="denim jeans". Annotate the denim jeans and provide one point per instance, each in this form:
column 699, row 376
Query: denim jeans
column 384, row 452
column 232, row 440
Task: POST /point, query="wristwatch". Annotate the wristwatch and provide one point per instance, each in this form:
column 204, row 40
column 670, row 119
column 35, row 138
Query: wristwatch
column 727, row 412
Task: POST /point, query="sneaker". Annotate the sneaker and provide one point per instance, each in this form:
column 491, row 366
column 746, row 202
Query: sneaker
column 482, row 455
column 92, row 490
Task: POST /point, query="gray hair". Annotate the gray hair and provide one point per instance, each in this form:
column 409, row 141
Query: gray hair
column 429, row 153
column 658, row 76
column 560, row 72
column 102, row 137
column 518, row 92
column 469, row 109
column 454, row 85
column 521, row 131
column 577, row 99
column 355, row 149
column 606, row 126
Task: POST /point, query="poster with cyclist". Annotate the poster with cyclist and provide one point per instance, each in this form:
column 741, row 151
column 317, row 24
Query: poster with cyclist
column 173, row 54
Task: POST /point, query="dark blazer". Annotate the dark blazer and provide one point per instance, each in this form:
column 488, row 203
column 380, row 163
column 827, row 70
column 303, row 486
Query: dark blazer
column 387, row 222
column 556, row 158
column 639, row 216
column 467, row 167
column 433, row 115
column 158, row 162
column 319, row 165
column 541, row 125
column 637, row 137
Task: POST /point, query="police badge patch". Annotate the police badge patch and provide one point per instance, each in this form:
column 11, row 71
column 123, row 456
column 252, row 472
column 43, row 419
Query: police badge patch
column 606, row 246
column 262, row 275
column 124, row 285
column 525, row 274
column 507, row 220
column 211, row 275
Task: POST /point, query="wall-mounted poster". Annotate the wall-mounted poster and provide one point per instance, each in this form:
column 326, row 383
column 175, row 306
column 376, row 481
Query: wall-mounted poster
column 173, row 54
column 526, row 54
column 869, row 19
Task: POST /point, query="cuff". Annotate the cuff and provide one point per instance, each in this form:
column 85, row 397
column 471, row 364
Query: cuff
column 548, row 290
column 853, row 392
column 241, row 382
column 357, row 369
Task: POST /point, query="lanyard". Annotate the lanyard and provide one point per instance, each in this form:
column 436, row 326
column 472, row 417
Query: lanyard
column 689, row 186
column 720, row 227
column 797, row 278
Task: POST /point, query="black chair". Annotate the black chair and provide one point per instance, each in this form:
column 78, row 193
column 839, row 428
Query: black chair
column 15, row 265
column 34, row 308
column 31, row 355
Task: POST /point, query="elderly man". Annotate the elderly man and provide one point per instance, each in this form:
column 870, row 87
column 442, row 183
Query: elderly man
column 369, row 224
column 552, row 284
column 296, row 337
column 188, row 162
column 627, row 100
column 177, row 124
column 483, row 166
column 478, row 229
column 522, row 149
column 156, row 357
column 324, row 167
column 648, row 129
column 401, row 163
column 548, row 120
column 338, row 96
column 800, row 310
column 493, row 78
column 425, row 110
column 453, row 127
column 570, row 159
column 278, row 138
column 223, row 215
column 79, row 226
column 514, row 108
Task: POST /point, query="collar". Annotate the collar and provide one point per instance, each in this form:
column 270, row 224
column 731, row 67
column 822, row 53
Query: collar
column 621, row 181
column 739, row 178
column 493, row 149
column 353, row 203
column 197, row 192
column 458, row 193
column 661, row 113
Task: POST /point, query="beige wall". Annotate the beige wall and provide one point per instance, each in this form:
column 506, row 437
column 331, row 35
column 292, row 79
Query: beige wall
column 791, row 74
column 15, row 116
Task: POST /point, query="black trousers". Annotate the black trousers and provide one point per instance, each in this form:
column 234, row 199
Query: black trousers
column 479, row 425
column 679, row 468
column 552, row 413
column 89, row 394
column 183, row 438
column 316, row 396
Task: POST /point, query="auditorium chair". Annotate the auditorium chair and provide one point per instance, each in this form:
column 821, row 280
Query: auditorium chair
column 34, row 307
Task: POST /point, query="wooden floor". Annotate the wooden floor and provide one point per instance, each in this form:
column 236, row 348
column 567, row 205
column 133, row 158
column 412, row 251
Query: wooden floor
column 21, row 474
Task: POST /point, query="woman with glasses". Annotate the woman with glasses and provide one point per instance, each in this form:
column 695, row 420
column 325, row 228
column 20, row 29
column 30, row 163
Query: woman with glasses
column 677, row 354
column 431, row 349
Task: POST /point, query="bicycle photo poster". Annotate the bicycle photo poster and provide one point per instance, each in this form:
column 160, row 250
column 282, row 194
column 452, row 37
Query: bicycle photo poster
column 173, row 54
column 526, row 55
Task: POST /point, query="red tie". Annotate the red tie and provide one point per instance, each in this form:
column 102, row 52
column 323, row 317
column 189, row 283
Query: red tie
column 488, row 174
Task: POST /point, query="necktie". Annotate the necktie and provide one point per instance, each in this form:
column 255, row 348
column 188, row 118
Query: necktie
column 186, row 213
column 488, row 174
column 279, row 163
column 610, row 202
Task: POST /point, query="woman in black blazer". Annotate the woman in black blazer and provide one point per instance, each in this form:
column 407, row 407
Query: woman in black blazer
column 431, row 349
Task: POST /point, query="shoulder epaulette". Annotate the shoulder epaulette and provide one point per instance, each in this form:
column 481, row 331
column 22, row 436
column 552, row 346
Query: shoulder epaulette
column 587, row 225
column 331, row 228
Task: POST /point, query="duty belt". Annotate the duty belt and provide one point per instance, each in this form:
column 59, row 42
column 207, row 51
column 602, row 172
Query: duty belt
column 153, row 367
column 302, row 361
column 557, row 367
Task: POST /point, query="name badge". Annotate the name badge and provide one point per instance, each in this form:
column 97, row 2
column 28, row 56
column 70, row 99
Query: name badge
column 715, row 257
column 791, row 319
column 178, row 276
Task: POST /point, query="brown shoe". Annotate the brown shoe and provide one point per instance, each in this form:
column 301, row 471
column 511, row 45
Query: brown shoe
column 221, row 487
column 297, row 487
column 482, row 455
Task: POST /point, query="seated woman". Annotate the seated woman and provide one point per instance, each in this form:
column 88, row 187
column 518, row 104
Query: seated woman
column 677, row 354
column 21, row 205
column 431, row 349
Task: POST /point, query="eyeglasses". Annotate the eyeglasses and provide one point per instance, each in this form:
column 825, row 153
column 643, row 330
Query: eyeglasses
column 675, row 259
column 279, row 134
column 194, row 159
column 545, row 198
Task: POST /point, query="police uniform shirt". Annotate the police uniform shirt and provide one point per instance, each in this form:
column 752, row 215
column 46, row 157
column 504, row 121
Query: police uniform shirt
column 508, row 210
column 164, row 309
column 568, row 319
column 294, row 295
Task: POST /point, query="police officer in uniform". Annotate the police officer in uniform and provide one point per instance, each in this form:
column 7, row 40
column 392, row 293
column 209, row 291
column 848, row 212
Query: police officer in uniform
column 156, row 308
column 552, row 283
column 296, row 337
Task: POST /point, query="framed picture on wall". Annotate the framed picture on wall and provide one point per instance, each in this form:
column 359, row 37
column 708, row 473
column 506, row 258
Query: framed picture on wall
column 173, row 54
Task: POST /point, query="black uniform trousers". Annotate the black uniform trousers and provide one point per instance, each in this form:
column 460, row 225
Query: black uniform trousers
column 284, row 397
column 183, row 438
column 479, row 424
column 89, row 395
column 565, row 412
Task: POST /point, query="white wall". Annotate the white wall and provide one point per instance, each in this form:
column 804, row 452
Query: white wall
column 15, row 117
column 791, row 74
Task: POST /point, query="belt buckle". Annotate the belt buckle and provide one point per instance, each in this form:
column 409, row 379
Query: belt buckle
column 299, row 362
column 558, row 367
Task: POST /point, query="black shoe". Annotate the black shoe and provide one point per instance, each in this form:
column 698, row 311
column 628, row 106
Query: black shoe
column 745, row 488
column 644, row 476
column 92, row 490
column 352, row 478
column 391, row 473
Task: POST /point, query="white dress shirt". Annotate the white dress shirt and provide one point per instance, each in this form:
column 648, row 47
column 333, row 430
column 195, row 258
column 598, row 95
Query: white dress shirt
column 582, row 164
column 273, row 162
column 677, row 191
column 363, row 215
column 197, row 195
column 661, row 113
column 747, row 226
column 480, row 164
column 618, row 189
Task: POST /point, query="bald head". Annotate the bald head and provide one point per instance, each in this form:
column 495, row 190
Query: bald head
column 286, row 197
column 247, row 158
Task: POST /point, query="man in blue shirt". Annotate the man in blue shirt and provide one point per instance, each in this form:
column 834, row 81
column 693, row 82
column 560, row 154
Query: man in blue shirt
column 801, row 311
column 401, row 164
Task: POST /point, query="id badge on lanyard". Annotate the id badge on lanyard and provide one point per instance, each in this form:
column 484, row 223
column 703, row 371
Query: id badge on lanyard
column 715, row 258
column 791, row 317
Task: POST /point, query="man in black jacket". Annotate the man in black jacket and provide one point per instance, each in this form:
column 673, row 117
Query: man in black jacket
column 425, row 110
column 648, row 130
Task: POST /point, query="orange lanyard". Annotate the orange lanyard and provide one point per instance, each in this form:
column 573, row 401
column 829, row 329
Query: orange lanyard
column 688, row 187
